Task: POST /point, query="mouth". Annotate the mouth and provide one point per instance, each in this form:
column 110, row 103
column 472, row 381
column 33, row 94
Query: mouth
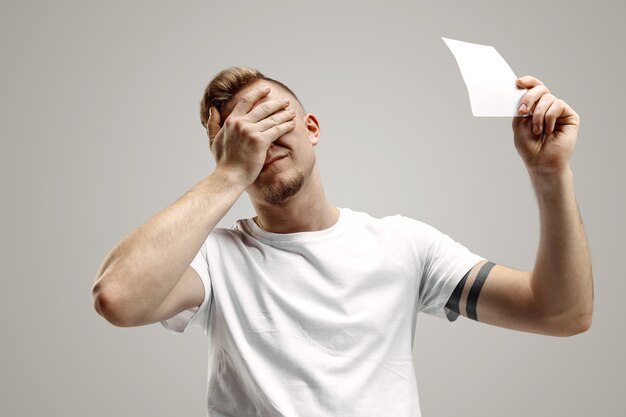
column 271, row 161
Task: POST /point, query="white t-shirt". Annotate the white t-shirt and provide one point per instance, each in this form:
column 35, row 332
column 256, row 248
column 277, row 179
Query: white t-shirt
column 320, row 324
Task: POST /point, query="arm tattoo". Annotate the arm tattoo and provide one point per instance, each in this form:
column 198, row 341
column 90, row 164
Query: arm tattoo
column 455, row 298
column 472, row 298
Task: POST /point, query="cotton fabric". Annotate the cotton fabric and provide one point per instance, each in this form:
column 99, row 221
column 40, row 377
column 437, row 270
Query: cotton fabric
column 322, row 323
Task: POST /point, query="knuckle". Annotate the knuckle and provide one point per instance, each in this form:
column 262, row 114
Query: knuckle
column 246, row 130
column 240, row 124
column 264, row 108
column 544, row 101
column 555, row 109
column 274, row 120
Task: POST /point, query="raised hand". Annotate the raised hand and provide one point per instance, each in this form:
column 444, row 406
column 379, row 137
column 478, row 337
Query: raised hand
column 546, row 139
column 240, row 145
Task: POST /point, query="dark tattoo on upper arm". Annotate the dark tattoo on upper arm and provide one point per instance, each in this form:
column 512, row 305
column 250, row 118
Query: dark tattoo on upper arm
column 472, row 298
column 455, row 298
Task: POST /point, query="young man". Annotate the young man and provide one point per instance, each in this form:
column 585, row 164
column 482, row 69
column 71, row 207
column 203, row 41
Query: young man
column 310, row 309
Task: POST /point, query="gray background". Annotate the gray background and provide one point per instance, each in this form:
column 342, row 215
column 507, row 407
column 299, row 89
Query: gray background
column 100, row 131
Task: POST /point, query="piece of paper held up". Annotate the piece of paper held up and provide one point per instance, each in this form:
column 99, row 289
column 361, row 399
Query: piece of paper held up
column 489, row 79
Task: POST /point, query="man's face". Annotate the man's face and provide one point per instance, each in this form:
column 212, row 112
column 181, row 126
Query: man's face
column 284, row 177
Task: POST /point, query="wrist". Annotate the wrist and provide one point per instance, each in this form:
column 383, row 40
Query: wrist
column 552, row 186
column 550, row 174
column 231, row 178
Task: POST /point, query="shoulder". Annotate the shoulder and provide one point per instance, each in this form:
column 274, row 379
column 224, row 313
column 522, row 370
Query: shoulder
column 365, row 217
column 237, row 231
column 394, row 220
column 397, row 224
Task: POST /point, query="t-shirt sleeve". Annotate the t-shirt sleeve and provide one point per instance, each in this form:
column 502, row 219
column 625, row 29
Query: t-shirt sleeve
column 198, row 315
column 445, row 263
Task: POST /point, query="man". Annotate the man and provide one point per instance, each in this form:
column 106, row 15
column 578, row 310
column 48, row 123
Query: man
column 310, row 309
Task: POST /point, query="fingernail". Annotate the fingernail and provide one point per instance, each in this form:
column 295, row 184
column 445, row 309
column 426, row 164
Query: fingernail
column 522, row 108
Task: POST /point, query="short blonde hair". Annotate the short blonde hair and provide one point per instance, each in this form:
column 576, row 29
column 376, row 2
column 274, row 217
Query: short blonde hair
column 227, row 83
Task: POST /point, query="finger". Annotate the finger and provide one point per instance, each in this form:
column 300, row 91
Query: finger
column 554, row 112
column 246, row 102
column 528, row 81
column 213, row 124
column 275, row 119
column 263, row 110
column 540, row 110
column 532, row 96
column 276, row 132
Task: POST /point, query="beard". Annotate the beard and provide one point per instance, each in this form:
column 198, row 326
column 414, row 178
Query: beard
column 276, row 193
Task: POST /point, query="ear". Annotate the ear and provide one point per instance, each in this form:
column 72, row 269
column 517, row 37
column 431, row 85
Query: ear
column 313, row 127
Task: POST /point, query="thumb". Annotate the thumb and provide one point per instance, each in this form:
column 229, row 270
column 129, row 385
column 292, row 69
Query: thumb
column 213, row 125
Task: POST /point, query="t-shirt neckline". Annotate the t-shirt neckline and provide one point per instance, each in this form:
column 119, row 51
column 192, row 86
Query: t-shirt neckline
column 314, row 236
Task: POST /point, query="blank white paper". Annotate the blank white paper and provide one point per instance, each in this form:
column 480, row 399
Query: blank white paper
column 489, row 79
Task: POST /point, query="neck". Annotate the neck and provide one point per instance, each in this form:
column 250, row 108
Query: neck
column 307, row 211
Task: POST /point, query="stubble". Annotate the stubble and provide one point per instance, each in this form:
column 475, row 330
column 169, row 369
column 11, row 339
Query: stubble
column 276, row 193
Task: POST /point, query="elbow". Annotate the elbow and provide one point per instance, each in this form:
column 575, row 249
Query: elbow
column 108, row 305
column 583, row 320
column 573, row 325
column 584, row 323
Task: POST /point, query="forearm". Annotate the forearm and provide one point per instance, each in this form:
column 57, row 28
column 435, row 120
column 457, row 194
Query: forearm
column 139, row 273
column 562, row 281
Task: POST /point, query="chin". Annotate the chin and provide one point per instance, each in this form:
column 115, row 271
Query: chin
column 281, row 186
